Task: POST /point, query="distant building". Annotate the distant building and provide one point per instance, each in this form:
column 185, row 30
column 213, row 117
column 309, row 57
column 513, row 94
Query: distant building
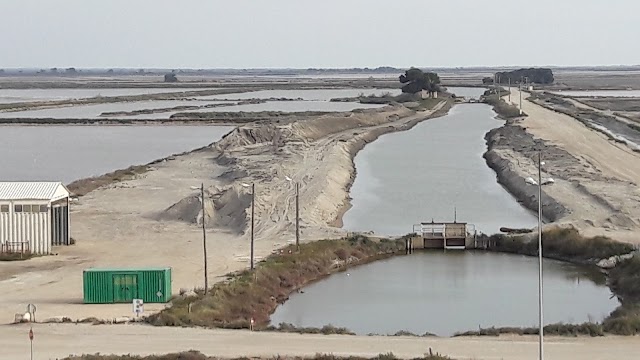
column 34, row 216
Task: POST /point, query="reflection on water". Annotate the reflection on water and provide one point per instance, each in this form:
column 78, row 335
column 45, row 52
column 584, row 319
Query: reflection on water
column 448, row 292
column 408, row 177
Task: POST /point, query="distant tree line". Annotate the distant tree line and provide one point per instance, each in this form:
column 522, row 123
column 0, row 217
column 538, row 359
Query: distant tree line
column 531, row 75
column 416, row 80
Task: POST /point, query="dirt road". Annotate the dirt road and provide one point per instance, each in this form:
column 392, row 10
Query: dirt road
column 57, row 341
column 599, row 186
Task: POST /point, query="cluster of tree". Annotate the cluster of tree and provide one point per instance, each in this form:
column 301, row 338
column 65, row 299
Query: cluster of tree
column 416, row 80
column 531, row 75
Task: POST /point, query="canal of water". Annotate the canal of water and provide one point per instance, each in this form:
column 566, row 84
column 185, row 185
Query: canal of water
column 407, row 177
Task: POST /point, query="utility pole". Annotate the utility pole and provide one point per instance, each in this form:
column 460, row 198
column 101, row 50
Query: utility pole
column 297, row 217
column 31, row 340
column 540, row 302
column 520, row 91
column 509, row 90
column 204, row 242
column 253, row 201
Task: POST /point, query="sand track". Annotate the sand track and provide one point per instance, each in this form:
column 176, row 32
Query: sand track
column 597, row 182
column 57, row 341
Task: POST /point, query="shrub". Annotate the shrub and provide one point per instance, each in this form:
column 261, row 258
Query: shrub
column 625, row 320
column 562, row 243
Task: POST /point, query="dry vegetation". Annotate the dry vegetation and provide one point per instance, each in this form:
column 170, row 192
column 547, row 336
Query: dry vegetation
column 84, row 186
column 15, row 256
column 504, row 110
column 195, row 355
column 256, row 294
column 562, row 244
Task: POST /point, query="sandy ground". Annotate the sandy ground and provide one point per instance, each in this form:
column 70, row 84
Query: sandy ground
column 599, row 188
column 118, row 226
column 57, row 341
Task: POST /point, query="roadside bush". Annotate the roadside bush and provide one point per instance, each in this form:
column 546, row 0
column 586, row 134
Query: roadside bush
column 624, row 280
column 507, row 111
column 195, row 355
column 562, row 243
column 625, row 320
column 587, row 329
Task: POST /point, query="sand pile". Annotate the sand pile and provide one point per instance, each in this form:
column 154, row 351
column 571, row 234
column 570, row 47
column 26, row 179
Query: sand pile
column 320, row 127
column 225, row 208
column 249, row 135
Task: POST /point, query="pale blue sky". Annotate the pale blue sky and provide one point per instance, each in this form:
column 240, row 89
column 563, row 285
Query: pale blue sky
column 327, row 33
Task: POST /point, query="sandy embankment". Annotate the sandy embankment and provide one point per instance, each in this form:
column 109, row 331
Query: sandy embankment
column 150, row 220
column 595, row 178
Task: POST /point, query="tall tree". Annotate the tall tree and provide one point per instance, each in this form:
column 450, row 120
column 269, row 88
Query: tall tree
column 416, row 80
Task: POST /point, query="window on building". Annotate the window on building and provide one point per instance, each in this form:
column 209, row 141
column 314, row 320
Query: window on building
column 17, row 208
column 44, row 208
column 26, row 208
column 4, row 208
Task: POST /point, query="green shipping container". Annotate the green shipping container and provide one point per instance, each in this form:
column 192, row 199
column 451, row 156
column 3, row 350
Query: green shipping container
column 107, row 286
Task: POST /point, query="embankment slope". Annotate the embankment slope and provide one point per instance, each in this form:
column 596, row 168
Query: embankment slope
column 117, row 224
column 595, row 178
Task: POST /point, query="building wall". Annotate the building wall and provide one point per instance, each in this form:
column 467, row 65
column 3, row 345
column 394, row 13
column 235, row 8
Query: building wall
column 31, row 225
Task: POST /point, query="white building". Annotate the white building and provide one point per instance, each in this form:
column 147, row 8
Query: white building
column 33, row 216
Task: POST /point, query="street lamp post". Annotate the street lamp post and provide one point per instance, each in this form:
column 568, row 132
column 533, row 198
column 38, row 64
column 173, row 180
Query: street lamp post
column 540, row 280
column 540, row 302
column 253, row 201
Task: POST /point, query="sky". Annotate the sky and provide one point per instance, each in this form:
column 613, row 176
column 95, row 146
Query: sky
column 314, row 33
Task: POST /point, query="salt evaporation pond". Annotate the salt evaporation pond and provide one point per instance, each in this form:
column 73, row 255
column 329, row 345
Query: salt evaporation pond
column 305, row 94
column 67, row 153
column 29, row 95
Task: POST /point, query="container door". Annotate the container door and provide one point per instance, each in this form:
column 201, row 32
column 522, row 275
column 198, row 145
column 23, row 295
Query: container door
column 125, row 288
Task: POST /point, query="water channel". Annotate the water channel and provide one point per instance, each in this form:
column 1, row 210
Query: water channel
column 408, row 177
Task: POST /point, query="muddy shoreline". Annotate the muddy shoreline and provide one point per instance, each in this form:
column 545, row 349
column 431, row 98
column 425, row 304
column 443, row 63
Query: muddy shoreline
column 517, row 139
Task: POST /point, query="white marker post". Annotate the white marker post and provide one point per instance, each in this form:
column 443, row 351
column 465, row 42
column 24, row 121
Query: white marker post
column 138, row 307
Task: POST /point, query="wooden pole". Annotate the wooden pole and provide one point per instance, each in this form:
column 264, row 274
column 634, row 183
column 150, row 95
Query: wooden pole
column 297, row 217
column 253, row 201
column 204, row 243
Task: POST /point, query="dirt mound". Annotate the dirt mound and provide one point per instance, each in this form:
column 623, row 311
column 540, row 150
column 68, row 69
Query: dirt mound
column 249, row 135
column 320, row 127
column 223, row 209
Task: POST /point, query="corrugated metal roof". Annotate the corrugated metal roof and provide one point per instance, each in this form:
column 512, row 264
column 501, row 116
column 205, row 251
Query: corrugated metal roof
column 32, row 190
